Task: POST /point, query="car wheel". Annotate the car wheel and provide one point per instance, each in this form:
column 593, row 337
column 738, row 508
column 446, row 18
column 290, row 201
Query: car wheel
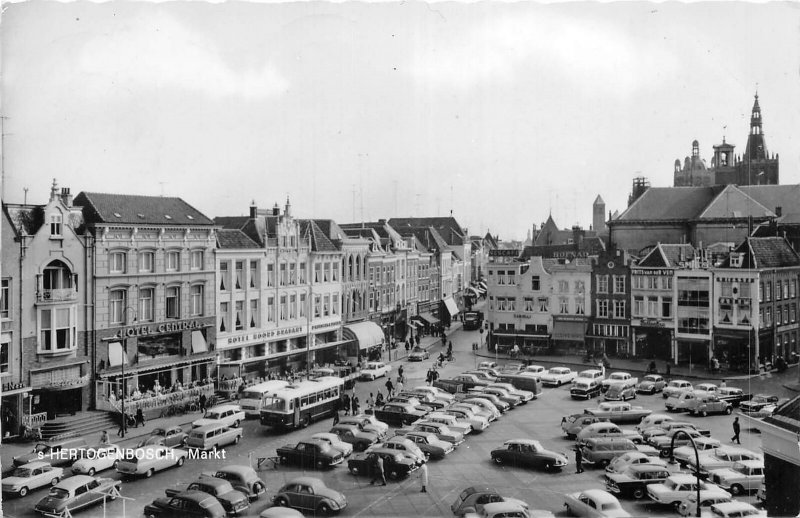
column 324, row 509
column 704, row 413
column 281, row 502
column 497, row 459
column 23, row 491
column 180, row 462
column 91, row 472
column 663, row 454
column 728, row 410
column 638, row 493
column 284, row 460
column 149, row 473
column 354, row 470
column 306, row 421
column 603, row 463
column 676, row 505
column 236, row 424
column 737, row 489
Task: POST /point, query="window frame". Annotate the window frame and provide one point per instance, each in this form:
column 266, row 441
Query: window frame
column 172, row 292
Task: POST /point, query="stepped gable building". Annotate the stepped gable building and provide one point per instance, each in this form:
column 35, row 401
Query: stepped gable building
column 152, row 293
column 45, row 341
column 754, row 167
column 610, row 306
column 578, row 245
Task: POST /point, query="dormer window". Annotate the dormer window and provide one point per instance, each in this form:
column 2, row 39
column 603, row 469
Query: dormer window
column 736, row 260
column 55, row 225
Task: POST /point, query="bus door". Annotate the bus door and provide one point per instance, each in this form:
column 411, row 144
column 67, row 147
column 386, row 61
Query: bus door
column 297, row 411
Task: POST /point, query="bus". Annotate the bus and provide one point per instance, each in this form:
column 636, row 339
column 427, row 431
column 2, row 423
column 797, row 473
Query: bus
column 297, row 405
column 473, row 320
column 346, row 372
column 252, row 399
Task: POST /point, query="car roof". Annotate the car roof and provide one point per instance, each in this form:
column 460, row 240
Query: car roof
column 211, row 481
column 196, row 496
column 599, row 495
column 754, row 463
column 75, row 481
column 501, row 507
column 479, row 489
column 733, row 449
column 220, row 408
column 207, row 427
column 533, row 442
column 325, row 435
column 683, row 477
column 35, row 464
column 647, row 467
column 726, row 507
column 237, row 468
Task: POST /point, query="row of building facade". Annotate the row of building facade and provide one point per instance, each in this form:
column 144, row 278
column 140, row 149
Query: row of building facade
column 102, row 292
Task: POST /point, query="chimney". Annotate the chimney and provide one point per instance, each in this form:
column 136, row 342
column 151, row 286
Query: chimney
column 779, row 211
column 577, row 235
column 253, row 209
column 66, row 197
column 54, row 191
column 276, row 211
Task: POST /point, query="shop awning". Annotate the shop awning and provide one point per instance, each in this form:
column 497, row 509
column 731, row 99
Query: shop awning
column 367, row 334
column 573, row 331
column 413, row 323
column 451, row 306
column 427, row 318
column 474, row 291
column 482, row 284
column 198, row 342
column 160, row 365
column 116, row 355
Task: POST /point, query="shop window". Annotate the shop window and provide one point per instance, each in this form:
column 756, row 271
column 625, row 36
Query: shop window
column 146, row 299
column 57, row 330
column 5, row 298
column 118, row 262
column 173, row 261
column 173, row 302
column 197, row 260
column 254, row 315
column 198, row 299
column 224, row 308
column 146, row 261
column 117, row 301
column 239, row 322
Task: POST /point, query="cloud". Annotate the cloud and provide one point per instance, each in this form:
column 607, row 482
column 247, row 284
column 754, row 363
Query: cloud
column 160, row 52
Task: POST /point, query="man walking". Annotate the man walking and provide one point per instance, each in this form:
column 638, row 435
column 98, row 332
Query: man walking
column 378, row 471
column 346, row 404
column 336, row 406
column 389, row 388
column 736, row 429
column 203, row 403
column 578, row 460
column 423, row 478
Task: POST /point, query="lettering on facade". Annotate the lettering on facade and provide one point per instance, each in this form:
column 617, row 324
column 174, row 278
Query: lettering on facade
column 261, row 335
column 569, row 319
column 504, row 252
column 651, row 322
column 735, row 279
column 323, row 326
column 570, row 255
column 522, row 315
column 166, row 327
column 639, row 271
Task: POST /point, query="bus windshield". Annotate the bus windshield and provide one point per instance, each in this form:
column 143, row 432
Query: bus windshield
column 275, row 404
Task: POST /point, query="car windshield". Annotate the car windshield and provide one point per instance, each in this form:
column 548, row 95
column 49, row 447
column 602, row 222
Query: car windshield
column 22, row 473
column 58, row 493
column 159, row 431
column 212, row 415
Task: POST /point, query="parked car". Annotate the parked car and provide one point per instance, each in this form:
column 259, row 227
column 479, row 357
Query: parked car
column 431, row 445
column 742, row 477
column 522, row 381
column 619, row 412
column 508, row 510
column 374, row 370
column 594, row 503
column 620, row 392
column 634, row 481
column 487, row 365
column 311, row 494
column 190, row 503
column 172, row 436
column 405, row 446
column 675, row 387
column 633, row 458
column 523, row 395
column 651, row 384
column 535, row 370
column 485, row 404
column 213, row 436
column 435, row 391
column 677, row 488
column 471, row 499
column 242, row 478
column 96, row 458
column 653, row 421
column 707, row 498
column 149, row 459
column 703, row 444
column 331, row 438
column 483, row 374
column 585, row 388
column 485, row 413
column 51, row 452
column 620, row 377
column 30, row 476
column 722, row 457
column 477, row 423
column 733, row 395
column 664, row 443
column 234, row 502
column 452, row 422
column 710, row 404
column 756, row 403
column 280, row 512
column 707, row 387
column 398, row 414
column 228, row 415
column 683, row 401
column 528, row 453
column 494, row 372
column 601, row 451
column 395, row 464
column 572, row 424
column 311, row 453
column 734, row 509
column 606, row 429
column 557, row 376
column 442, row 431
column 590, row 374
column 501, row 405
column 418, row 354
column 367, row 423
column 352, row 435
column 426, row 399
column 75, row 493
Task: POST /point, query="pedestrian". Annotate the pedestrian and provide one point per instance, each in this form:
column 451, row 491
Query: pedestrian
column 346, row 404
column 123, row 425
column 389, row 388
column 578, row 460
column 668, row 369
column 104, row 437
column 139, row 417
column 418, row 339
column 723, row 384
column 435, row 375
column 400, row 372
column 399, row 385
column 408, row 347
column 203, row 403
column 378, row 471
column 370, row 401
column 355, row 405
column 423, row 478
column 736, row 429
column 429, row 377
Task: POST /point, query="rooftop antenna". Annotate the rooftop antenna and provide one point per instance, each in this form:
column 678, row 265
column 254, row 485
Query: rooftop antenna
column 724, row 129
column 162, row 188
column 354, row 202
column 361, row 193
column 25, row 197
column 451, row 199
column 395, row 197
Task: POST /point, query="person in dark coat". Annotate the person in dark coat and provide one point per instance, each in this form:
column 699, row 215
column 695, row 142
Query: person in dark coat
column 355, row 405
column 736, row 429
column 389, row 388
column 336, row 406
column 203, row 401
column 578, row 460
column 123, row 425
column 139, row 417
column 377, row 473
column 346, row 404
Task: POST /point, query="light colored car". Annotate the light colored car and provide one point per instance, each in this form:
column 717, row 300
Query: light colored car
column 733, row 509
column 147, row 460
column 703, row 444
column 228, row 415
column 684, row 401
column 483, row 374
column 213, row 436
column 619, row 412
column 403, row 445
column 722, row 457
column 535, row 370
column 620, row 377
column 606, row 429
column 503, row 394
column 485, row 404
column 96, row 458
column 473, row 498
column 651, row 384
column 653, row 421
column 436, row 391
column 501, row 405
column 620, row 392
column 572, row 424
column 487, row 365
column 507, row 509
column 440, row 430
column 475, row 409
column 374, row 370
column 675, row 387
column 454, row 423
column 478, row 422
column 707, row 387
column 633, row 458
column 677, row 488
column 367, row 423
column 418, row 354
column 431, row 445
column 75, row 493
column 707, row 498
column 594, row 503
column 333, row 440
column 30, row 476
column 557, row 376
column 710, row 404
column 590, row 375
column 524, row 395
column 742, row 477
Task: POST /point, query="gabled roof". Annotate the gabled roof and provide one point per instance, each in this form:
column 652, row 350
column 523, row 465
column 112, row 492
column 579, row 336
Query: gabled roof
column 27, row 219
column 732, row 202
column 319, row 241
column 447, row 227
column 427, row 237
column 669, row 203
column 230, row 238
column 490, row 239
column 772, row 196
column 765, row 252
column 667, row 256
column 549, row 234
column 130, row 209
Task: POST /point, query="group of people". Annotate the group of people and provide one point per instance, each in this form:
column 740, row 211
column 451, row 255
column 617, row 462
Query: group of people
column 156, row 390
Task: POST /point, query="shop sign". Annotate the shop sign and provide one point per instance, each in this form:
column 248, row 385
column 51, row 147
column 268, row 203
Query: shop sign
column 651, row 322
column 504, row 252
column 568, row 319
column 326, row 325
column 162, row 328
column 260, row 336
column 522, row 315
column 640, row 271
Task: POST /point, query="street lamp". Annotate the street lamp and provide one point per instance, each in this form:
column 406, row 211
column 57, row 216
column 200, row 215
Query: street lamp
column 697, row 461
column 124, row 361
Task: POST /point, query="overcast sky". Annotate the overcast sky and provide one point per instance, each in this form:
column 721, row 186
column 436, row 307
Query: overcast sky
column 500, row 112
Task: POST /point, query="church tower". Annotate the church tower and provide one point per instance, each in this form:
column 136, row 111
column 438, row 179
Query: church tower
column 756, row 167
column 599, row 215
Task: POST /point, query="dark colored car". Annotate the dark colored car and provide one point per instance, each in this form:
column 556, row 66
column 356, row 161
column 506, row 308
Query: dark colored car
column 733, row 395
column 757, row 402
column 351, row 434
column 313, row 453
column 310, row 494
column 233, row 501
column 191, row 504
column 242, row 478
column 528, row 453
column 634, row 481
column 585, row 389
column 172, row 436
column 77, row 492
column 395, row 464
column 431, row 445
column 620, row 392
column 398, row 414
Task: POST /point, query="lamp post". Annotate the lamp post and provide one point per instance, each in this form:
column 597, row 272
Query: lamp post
column 124, row 361
column 697, row 462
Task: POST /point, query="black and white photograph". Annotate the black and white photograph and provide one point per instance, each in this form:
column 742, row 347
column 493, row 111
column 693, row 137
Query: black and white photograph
column 399, row 259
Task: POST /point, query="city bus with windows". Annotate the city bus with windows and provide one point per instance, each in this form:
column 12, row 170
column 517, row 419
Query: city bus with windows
column 346, row 372
column 299, row 404
column 252, row 399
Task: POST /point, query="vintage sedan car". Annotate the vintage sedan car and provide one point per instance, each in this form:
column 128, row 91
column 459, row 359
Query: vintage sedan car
column 351, row 434
column 331, row 438
column 710, row 404
column 96, row 458
column 620, row 392
column 756, row 403
column 149, row 459
column 528, row 453
column 473, row 498
column 633, row 458
column 311, row 453
column 280, row 512
column 633, row 482
column 734, row 509
column 707, row 498
column 491, row 371
column 425, row 399
column 190, row 503
column 590, row 374
column 466, row 415
column 507, row 510
column 677, row 488
column 403, row 445
column 172, row 436
column 594, row 503
column 683, row 401
column 675, row 387
column 399, row 414
column 483, row 374
column 431, row 445
column 374, row 370
column 667, row 428
column 233, row 501
column 619, row 412
column 418, row 354
column 585, row 389
column 653, row 421
column 487, row 365
column 213, row 436
column 310, row 494
column 651, row 384
column 437, row 392
column 501, row 405
column 606, row 429
column 475, row 409
column 703, row 444
column 395, row 464
column 367, row 423
column 742, row 477
column 442, row 431
column 557, row 376
column 572, row 424
column 524, row 395
column 452, row 422
column 75, row 493
column 512, row 367
column 242, row 478
column 485, row 404
column 535, row 370
column 664, row 443
column 30, row 476
column 620, row 377
column 706, row 387
column 722, row 457
column 228, row 415
column 733, row 395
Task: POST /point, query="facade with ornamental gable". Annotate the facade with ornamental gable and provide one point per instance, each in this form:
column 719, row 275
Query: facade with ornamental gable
column 610, row 328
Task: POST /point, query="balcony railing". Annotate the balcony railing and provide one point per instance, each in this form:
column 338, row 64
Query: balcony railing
column 57, row 295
